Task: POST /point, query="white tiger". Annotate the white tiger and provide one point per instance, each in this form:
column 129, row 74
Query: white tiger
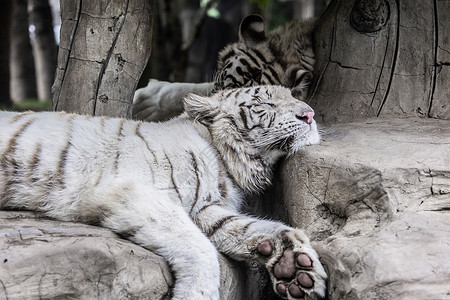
column 174, row 188
column 283, row 56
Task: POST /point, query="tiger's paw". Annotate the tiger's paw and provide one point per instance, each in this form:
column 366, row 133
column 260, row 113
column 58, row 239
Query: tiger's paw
column 294, row 266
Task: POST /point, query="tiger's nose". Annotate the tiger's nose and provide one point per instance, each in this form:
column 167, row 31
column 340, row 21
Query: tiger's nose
column 306, row 116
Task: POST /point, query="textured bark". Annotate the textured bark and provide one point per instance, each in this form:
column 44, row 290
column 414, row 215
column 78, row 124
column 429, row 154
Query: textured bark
column 103, row 50
column 382, row 58
column 44, row 46
column 5, row 16
column 21, row 59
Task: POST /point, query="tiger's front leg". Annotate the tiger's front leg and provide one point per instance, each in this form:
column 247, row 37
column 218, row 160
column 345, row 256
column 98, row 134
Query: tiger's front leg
column 292, row 263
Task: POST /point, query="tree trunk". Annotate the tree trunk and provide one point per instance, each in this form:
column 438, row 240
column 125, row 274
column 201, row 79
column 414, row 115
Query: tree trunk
column 5, row 17
column 22, row 81
column 103, row 50
column 44, row 46
column 306, row 9
column 382, row 58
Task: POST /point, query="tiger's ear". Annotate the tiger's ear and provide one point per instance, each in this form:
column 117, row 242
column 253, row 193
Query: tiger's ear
column 201, row 108
column 252, row 30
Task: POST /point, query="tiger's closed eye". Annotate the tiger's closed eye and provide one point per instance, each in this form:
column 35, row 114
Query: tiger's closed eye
column 263, row 114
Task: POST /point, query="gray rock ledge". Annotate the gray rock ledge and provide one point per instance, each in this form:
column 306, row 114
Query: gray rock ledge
column 374, row 197
column 47, row 259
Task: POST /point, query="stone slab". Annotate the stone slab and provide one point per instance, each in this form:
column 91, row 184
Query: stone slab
column 374, row 196
column 47, row 259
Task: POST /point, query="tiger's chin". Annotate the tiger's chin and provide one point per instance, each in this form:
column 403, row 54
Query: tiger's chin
column 301, row 139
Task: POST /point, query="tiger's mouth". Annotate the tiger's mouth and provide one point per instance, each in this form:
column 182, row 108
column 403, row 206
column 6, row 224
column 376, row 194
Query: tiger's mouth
column 300, row 139
column 287, row 144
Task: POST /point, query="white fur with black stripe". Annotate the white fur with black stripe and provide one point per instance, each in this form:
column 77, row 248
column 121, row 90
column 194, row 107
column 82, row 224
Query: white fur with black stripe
column 283, row 56
column 175, row 187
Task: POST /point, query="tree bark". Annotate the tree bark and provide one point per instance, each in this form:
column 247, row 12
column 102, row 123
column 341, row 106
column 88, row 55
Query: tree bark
column 44, row 46
column 103, row 50
column 382, row 58
column 22, row 73
column 5, row 17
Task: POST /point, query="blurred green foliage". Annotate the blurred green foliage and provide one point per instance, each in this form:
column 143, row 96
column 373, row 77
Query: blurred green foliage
column 261, row 3
column 29, row 104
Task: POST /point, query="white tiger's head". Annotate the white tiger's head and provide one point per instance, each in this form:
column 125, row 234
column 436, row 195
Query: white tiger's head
column 263, row 119
column 282, row 57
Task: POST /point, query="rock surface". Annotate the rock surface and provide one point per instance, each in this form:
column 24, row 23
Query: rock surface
column 46, row 259
column 374, row 196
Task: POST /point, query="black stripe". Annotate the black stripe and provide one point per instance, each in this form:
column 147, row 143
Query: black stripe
column 269, row 78
column 34, row 164
column 274, row 73
column 119, row 133
column 256, row 98
column 119, row 138
column 244, row 229
column 172, row 178
column 307, row 66
column 217, row 202
column 272, row 119
column 13, row 141
column 259, row 54
column 194, row 163
column 243, row 117
column 244, row 62
column 102, row 122
column 232, row 121
column 138, row 133
column 227, row 66
column 222, row 186
column 17, row 117
column 129, row 232
column 99, row 177
column 138, row 126
column 59, row 175
column 235, row 82
column 253, row 59
column 9, row 164
column 227, row 94
column 219, row 224
column 228, row 55
column 11, row 173
column 96, row 215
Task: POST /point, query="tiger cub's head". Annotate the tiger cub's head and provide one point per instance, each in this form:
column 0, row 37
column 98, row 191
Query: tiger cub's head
column 260, row 120
column 282, row 57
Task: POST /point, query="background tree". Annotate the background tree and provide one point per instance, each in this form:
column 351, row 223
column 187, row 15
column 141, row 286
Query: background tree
column 103, row 49
column 5, row 17
column 44, row 46
column 177, row 26
column 21, row 64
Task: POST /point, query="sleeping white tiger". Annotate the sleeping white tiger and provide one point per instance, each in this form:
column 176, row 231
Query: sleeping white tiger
column 174, row 188
column 284, row 57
